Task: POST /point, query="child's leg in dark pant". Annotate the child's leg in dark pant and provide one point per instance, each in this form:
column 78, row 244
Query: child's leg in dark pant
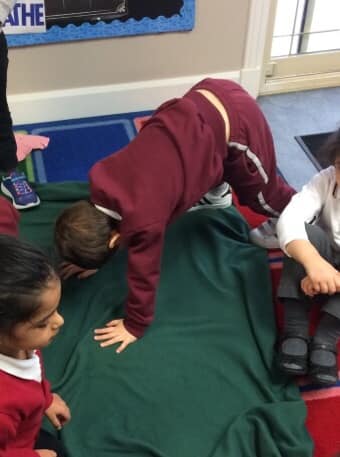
column 293, row 272
column 293, row 349
column 328, row 330
column 8, row 148
column 323, row 355
column 47, row 441
column 296, row 317
column 294, row 344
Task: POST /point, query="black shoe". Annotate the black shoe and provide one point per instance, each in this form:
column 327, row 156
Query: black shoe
column 289, row 361
column 324, row 375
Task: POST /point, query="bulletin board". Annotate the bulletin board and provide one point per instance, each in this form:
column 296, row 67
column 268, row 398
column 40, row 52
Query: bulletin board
column 70, row 20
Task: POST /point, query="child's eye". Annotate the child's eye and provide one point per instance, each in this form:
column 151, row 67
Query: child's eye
column 42, row 325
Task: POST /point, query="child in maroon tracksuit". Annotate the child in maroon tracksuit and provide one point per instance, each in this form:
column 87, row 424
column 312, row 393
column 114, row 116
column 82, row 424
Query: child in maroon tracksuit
column 191, row 145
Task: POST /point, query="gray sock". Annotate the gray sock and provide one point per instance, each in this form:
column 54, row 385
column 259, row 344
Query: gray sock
column 296, row 317
column 328, row 332
column 296, row 322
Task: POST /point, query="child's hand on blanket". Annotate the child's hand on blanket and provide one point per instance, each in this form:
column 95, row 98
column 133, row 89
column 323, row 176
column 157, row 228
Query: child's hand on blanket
column 58, row 412
column 67, row 269
column 114, row 332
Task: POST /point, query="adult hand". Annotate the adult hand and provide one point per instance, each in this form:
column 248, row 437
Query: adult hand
column 114, row 332
column 67, row 269
column 58, row 412
column 45, row 453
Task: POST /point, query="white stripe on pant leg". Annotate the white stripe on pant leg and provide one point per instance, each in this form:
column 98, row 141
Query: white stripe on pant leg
column 253, row 157
column 265, row 205
column 258, row 164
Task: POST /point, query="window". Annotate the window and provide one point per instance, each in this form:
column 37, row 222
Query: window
column 305, row 26
column 303, row 48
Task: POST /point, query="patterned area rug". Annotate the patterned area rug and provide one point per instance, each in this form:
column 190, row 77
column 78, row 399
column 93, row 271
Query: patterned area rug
column 75, row 145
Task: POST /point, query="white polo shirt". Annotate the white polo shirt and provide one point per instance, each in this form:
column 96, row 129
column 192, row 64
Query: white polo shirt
column 319, row 202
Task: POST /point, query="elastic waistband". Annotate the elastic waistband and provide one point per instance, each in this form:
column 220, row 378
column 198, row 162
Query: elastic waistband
column 232, row 96
column 210, row 114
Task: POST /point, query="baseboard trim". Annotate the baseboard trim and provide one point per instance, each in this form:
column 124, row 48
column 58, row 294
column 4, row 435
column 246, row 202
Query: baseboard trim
column 298, row 83
column 102, row 100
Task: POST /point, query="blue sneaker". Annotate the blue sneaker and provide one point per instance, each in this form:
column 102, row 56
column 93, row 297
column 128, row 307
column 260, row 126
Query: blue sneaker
column 16, row 187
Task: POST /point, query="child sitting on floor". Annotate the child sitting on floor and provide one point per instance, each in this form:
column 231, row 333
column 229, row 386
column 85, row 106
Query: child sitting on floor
column 29, row 320
column 181, row 156
column 309, row 233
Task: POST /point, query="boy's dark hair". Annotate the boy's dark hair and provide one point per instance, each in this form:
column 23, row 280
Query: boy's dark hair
column 24, row 274
column 82, row 235
column 331, row 148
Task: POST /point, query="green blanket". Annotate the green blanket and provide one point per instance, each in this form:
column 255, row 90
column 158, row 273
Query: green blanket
column 202, row 382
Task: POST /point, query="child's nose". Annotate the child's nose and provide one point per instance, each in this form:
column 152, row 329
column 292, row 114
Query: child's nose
column 58, row 321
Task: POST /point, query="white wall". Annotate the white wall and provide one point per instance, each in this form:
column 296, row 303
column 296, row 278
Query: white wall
column 84, row 78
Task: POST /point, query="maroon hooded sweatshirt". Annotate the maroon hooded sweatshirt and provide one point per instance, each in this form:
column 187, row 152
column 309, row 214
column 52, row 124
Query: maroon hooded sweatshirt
column 178, row 156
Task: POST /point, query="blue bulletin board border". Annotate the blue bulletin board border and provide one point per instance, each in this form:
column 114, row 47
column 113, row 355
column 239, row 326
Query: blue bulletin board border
column 184, row 21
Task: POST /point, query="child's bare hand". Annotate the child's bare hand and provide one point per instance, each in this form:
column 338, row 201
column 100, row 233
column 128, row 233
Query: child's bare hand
column 58, row 412
column 45, row 452
column 323, row 278
column 114, row 332
column 66, row 270
column 307, row 287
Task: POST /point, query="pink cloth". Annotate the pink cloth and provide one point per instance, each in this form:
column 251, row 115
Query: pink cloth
column 26, row 143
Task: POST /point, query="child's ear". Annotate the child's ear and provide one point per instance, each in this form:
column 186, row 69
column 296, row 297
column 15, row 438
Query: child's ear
column 114, row 239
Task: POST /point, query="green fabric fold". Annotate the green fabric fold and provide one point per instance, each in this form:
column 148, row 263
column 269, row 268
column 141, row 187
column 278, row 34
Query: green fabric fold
column 203, row 381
